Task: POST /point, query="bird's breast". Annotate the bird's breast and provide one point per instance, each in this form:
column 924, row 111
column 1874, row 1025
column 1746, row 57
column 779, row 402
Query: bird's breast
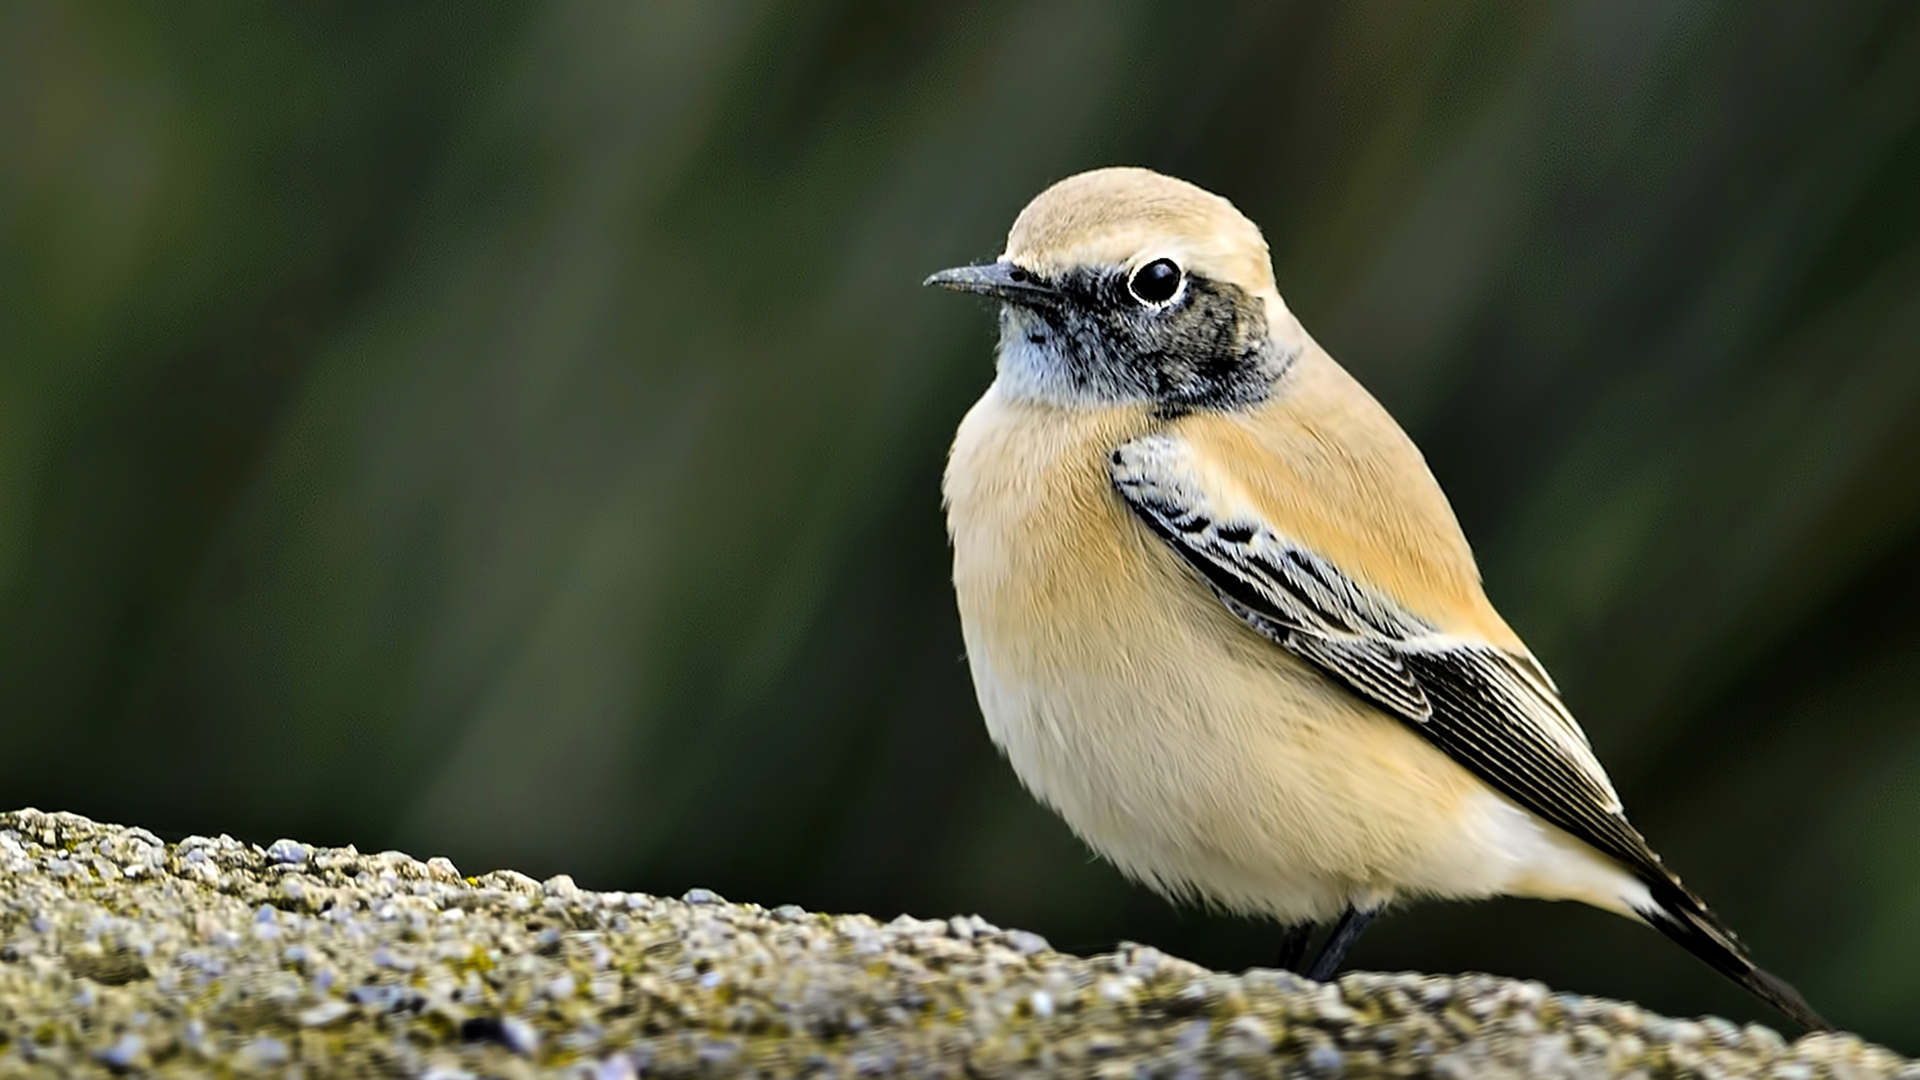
column 1058, row 586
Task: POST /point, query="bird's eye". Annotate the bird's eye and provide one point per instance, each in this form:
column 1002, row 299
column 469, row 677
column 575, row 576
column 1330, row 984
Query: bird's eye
column 1156, row 282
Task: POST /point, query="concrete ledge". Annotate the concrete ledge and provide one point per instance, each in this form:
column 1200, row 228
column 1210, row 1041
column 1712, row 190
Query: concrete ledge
column 121, row 954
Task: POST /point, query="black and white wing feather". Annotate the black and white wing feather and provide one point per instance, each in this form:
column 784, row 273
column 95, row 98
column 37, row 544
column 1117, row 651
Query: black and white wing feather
column 1495, row 712
column 1491, row 710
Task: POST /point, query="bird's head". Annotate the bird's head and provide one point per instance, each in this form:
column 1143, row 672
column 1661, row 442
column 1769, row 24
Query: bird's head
column 1123, row 285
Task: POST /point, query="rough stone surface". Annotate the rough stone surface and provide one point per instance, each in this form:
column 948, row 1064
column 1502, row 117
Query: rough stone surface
column 122, row 955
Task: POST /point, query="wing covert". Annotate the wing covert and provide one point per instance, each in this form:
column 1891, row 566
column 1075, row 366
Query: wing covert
column 1493, row 711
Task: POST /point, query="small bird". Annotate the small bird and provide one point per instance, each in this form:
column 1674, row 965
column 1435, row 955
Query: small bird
column 1220, row 616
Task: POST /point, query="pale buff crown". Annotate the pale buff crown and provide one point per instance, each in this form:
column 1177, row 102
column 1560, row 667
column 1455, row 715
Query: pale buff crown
column 1127, row 216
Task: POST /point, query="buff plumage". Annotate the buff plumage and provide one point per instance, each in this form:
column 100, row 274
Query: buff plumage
column 1220, row 616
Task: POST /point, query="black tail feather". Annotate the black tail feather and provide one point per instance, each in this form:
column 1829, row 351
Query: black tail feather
column 1681, row 916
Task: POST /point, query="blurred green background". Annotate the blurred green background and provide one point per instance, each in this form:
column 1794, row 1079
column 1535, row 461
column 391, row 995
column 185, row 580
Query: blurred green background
column 513, row 431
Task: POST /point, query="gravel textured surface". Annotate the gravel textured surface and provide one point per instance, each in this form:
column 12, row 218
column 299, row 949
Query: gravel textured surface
column 120, row 954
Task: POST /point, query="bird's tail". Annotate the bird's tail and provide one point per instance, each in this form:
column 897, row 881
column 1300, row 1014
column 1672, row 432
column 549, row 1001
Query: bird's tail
column 1682, row 916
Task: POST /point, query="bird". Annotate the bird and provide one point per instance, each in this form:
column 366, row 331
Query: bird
column 1221, row 618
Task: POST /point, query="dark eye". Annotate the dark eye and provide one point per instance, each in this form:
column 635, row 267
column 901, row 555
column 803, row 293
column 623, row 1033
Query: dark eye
column 1156, row 282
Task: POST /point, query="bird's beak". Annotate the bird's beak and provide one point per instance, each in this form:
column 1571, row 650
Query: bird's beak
column 1002, row 281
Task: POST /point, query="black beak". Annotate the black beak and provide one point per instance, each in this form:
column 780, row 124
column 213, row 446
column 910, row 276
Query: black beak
column 1002, row 281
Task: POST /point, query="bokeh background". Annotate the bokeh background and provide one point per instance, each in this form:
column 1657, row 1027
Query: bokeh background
column 512, row 431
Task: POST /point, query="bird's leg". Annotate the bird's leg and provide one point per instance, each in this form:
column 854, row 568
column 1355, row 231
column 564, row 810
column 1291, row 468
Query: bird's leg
column 1293, row 946
column 1345, row 933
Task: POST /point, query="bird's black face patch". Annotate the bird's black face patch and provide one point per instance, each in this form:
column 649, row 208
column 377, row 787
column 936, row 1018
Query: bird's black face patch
column 1206, row 348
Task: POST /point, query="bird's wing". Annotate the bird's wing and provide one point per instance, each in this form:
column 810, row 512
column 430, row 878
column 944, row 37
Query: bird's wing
column 1492, row 710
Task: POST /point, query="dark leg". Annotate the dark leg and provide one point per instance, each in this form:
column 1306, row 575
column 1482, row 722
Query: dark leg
column 1293, row 946
column 1345, row 933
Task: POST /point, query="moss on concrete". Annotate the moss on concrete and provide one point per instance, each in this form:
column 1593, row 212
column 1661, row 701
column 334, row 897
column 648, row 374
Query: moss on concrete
column 120, row 954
